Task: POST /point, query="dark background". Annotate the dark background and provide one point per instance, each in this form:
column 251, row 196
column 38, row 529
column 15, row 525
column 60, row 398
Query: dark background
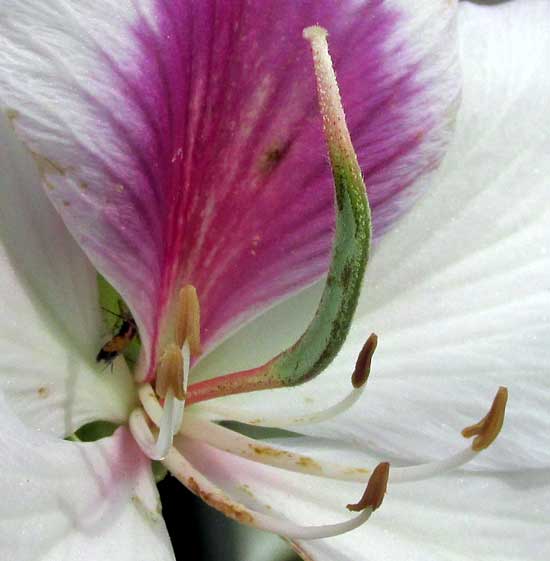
column 199, row 532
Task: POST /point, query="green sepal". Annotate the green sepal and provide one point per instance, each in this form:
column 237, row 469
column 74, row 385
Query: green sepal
column 94, row 431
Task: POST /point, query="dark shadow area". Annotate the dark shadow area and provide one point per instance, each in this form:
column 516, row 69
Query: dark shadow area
column 197, row 531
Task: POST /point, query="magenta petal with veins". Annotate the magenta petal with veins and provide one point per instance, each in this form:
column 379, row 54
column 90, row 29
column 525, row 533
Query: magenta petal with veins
column 181, row 141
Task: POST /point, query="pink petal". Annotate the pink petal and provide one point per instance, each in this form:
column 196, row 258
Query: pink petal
column 187, row 147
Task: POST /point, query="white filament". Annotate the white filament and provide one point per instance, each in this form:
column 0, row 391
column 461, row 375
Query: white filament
column 186, row 356
column 226, row 413
column 178, row 465
column 245, row 447
column 142, row 433
column 260, row 452
column 168, row 418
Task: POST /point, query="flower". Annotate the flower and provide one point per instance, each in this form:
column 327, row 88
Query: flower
column 503, row 247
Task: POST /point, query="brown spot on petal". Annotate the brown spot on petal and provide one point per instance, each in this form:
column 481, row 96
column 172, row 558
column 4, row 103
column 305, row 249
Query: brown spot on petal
column 303, row 461
column 357, row 471
column 246, row 489
column 225, row 506
column 310, row 464
column 43, row 392
column 273, row 157
column 46, row 166
column 260, row 450
column 12, row 115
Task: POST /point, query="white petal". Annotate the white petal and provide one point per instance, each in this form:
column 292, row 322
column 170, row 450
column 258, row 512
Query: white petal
column 459, row 293
column 83, row 502
column 51, row 326
column 451, row 518
column 459, row 516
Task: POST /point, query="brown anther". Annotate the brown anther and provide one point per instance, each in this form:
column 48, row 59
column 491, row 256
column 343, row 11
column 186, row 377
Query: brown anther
column 188, row 319
column 362, row 366
column 376, row 489
column 489, row 427
column 170, row 373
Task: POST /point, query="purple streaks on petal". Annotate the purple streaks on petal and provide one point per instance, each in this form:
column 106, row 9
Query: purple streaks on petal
column 241, row 166
column 210, row 166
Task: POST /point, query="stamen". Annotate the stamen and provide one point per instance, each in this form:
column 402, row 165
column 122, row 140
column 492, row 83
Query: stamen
column 261, row 452
column 227, row 413
column 170, row 373
column 196, row 482
column 376, row 489
column 186, row 356
column 172, row 412
column 240, row 445
column 188, row 319
column 169, row 417
column 359, row 378
column 150, row 403
column 428, row 470
column 489, row 427
column 363, row 364
column 154, row 448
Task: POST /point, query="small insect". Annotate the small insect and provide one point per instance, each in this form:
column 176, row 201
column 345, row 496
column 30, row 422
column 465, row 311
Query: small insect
column 120, row 340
